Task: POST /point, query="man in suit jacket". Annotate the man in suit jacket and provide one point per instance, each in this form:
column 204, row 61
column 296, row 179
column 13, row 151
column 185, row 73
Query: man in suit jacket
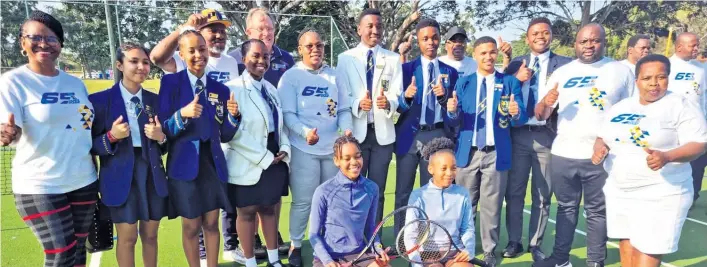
column 423, row 114
column 531, row 143
column 373, row 78
column 486, row 104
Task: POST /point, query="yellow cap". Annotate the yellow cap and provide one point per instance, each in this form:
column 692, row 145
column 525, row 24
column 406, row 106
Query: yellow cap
column 213, row 16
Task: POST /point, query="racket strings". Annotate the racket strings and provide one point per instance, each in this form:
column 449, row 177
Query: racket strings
column 422, row 242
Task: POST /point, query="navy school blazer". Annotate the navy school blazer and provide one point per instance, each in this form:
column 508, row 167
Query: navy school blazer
column 117, row 160
column 183, row 137
column 504, row 86
column 408, row 123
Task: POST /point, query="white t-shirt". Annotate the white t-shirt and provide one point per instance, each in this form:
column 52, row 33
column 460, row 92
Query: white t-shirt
column 630, row 66
column 687, row 78
column 221, row 69
column 587, row 92
column 465, row 67
column 663, row 125
column 312, row 100
column 53, row 153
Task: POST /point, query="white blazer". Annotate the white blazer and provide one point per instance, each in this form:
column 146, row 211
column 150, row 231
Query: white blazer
column 247, row 154
column 351, row 76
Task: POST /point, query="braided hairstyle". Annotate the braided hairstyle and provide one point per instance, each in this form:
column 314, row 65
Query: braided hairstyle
column 437, row 145
column 341, row 141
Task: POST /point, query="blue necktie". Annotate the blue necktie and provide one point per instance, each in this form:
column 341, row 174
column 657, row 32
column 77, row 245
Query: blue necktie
column 273, row 108
column 530, row 106
column 431, row 99
column 205, row 127
column 481, row 117
column 369, row 72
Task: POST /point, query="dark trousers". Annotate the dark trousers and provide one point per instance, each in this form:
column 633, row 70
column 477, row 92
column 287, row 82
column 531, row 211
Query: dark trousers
column 698, row 173
column 570, row 179
column 376, row 160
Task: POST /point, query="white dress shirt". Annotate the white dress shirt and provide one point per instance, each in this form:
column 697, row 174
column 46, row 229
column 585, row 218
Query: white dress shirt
column 429, row 80
column 132, row 116
column 541, row 88
column 258, row 85
column 363, row 48
column 490, row 108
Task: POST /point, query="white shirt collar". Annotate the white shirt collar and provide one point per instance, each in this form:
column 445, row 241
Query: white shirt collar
column 301, row 65
column 249, row 80
column 364, row 48
column 192, row 80
column 127, row 95
column 491, row 76
column 426, row 62
column 542, row 57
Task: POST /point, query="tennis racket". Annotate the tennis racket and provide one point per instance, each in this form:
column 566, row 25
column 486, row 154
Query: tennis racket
column 387, row 222
column 426, row 242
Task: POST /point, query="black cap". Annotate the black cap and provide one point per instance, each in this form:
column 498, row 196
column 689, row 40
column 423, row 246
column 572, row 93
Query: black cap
column 454, row 31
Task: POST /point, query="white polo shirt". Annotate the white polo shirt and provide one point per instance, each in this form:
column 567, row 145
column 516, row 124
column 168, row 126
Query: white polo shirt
column 687, row 78
column 464, row 67
column 221, row 69
column 630, row 66
column 587, row 92
column 542, row 86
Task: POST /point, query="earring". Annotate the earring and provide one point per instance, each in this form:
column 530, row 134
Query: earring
column 24, row 53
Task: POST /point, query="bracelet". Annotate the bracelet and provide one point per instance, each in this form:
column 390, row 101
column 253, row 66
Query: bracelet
column 164, row 140
column 111, row 138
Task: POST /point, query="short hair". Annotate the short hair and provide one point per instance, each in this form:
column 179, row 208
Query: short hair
column 252, row 13
column 436, row 145
column 653, row 58
column 427, row 22
column 50, row 22
column 634, row 39
column 188, row 32
column 341, row 141
column 305, row 31
column 245, row 46
column 538, row 21
column 127, row 46
column 484, row 40
column 369, row 11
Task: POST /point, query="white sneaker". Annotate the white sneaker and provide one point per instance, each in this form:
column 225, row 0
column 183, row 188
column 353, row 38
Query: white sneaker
column 234, row 255
column 202, row 263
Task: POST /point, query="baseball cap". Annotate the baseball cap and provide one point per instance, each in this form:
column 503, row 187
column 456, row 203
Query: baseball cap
column 454, row 31
column 213, row 16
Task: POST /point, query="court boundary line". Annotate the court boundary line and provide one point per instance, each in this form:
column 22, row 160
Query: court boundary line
column 697, row 221
column 608, row 242
column 96, row 259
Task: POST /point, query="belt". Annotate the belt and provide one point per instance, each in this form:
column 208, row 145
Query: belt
column 485, row 149
column 371, row 126
column 425, row 128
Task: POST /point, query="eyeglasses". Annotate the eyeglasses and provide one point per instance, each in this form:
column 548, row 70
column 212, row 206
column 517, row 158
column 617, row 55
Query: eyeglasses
column 264, row 29
column 311, row 47
column 52, row 40
column 591, row 41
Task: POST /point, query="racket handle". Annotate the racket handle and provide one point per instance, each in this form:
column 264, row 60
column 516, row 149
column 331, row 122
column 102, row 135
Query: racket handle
column 478, row 262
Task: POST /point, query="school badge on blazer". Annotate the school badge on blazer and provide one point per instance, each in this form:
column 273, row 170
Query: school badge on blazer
column 213, row 98
column 445, row 80
column 219, row 112
column 503, row 120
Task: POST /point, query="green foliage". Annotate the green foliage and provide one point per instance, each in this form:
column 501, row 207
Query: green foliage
column 12, row 14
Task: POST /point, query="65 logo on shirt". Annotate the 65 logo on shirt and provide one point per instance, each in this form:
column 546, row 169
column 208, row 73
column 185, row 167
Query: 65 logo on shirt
column 580, row 82
column 316, row 91
column 628, row 118
column 61, row 98
column 684, row 76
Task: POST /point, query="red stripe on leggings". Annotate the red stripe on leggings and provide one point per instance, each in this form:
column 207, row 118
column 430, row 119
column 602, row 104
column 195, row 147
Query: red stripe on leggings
column 81, row 235
column 60, row 250
column 41, row 214
column 84, row 202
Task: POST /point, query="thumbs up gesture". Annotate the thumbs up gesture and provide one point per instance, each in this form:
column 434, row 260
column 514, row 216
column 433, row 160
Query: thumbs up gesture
column 513, row 106
column 153, row 130
column 655, row 159
column 381, row 101
column 120, row 129
column 366, row 103
column 412, row 89
column 551, row 96
column 437, row 88
column 9, row 132
column 504, row 47
column 193, row 109
column 524, row 73
column 232, row 106
column 312, row 137
column 452, row 103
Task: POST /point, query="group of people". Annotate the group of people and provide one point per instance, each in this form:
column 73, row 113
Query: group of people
column 241, row 130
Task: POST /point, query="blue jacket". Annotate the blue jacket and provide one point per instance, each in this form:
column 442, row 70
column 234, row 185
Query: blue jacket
column 410, row 110
column 117, row 160
column 183, row 138
column 466, row 117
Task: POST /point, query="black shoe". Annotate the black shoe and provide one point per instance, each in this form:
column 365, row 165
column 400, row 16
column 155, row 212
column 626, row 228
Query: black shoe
column 537, row 253
column 490, row 259
column 295, row 258
column 513, row 250
column 275, row 264
column 282, row 248
column 552, row 262
column 595, row 264
column 258, row 249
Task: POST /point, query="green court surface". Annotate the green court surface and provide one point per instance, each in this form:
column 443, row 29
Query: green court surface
column 19, row 247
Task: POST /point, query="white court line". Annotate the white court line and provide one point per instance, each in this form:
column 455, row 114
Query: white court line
column 96, row 259
column 697, row 221
column 608, row 242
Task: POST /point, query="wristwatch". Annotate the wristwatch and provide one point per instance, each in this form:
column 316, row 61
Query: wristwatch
column 164, row 140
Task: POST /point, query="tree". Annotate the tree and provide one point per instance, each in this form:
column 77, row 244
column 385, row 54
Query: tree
column 12, row 14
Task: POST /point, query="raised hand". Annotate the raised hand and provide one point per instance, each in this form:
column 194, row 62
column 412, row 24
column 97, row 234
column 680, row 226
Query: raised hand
column 655, row 159
column 193, row 109
column 312, row 137
column 9, row 132
column 437, row 88
column 551, row 96
column 504, row 47
column 452, row 103
column 381, row 101
column 412, row 89
column 153, row 130
column 406, row 46
column 232, row 106
column 196, row 21
column 513, row 106
column 366, row 103
column 120, row 129
column 524, row 73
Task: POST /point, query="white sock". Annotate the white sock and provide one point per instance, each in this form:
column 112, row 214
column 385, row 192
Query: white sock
column 296, row 243
column 273, row 256
column 251, row 262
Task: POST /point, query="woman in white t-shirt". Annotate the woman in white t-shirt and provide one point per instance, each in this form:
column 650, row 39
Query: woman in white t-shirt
column 315, row 110
column 648, row 141
column 46, row 115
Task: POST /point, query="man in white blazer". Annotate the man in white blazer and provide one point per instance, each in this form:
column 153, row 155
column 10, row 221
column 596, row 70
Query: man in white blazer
column 373, row 78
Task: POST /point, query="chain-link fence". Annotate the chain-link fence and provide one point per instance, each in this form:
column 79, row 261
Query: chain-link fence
column 86, row 53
